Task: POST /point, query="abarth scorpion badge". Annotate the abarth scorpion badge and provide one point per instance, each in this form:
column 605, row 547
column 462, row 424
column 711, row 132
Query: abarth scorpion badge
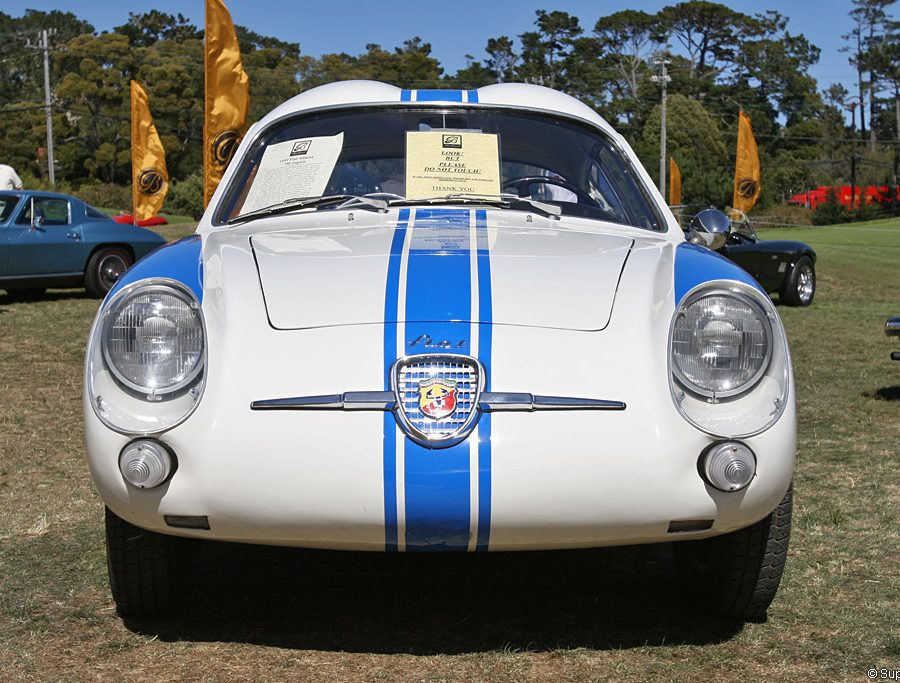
column 437, row 397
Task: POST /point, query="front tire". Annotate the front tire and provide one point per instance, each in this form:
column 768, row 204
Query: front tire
column 736, row 576
column 104, row 269
column 148, row 572
column 800, row 285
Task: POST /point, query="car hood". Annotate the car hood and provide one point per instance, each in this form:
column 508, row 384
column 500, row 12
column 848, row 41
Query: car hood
column 537, row 272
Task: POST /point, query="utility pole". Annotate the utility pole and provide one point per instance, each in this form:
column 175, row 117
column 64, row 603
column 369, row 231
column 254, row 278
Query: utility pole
column 44, row 46
column 663, row 79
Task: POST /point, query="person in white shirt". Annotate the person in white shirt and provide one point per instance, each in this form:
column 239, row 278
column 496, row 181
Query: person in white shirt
column 9, row 179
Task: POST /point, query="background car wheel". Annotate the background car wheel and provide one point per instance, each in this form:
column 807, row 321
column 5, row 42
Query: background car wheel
column 26, row 293
column 800, row 286
column 148, row 572
column 736, row 576
column 104, row 269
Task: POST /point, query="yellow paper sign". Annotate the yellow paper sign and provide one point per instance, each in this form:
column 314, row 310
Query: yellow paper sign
column 451, row 162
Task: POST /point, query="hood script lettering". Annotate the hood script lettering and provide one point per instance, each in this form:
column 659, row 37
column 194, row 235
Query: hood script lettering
column 426, row 341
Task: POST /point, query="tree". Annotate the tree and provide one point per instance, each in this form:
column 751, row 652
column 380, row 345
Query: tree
column 411, row 66
column 776, row 66
column 474, row 75
column 624, row 42
column 416, row 67
column 21, row 68
column 143, row 30
column 95, row 92
column 250, row 41
column 627, row 37
column 544, row 51
column 172, row 74
column 884, row 59
column 707, row 31
column 693, row 136
column 869, row 17
column 501, row 58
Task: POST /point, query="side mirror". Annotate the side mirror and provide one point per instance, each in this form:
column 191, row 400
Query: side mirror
column 37, row 216
column 710, row 228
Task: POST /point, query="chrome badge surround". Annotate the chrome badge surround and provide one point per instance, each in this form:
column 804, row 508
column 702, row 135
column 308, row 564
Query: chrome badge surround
column 410, row 373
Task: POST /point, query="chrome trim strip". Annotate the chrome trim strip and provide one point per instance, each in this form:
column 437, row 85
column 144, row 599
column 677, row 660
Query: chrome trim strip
column 46, row 276
column 350, row 400
column 491, row 402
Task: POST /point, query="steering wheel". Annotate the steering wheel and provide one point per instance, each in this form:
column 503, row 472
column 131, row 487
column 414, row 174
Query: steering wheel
column 522, row 184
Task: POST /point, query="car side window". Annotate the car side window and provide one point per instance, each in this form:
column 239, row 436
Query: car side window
column 54, row 211
column 94, row 213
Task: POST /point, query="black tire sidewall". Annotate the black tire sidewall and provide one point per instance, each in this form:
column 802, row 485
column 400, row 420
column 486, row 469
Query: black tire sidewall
column 93, row 280
column 790, row 294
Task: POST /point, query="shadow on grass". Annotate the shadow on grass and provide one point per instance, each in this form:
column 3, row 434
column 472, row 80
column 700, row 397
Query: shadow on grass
column 436, row 603
column 884, row 394
column 53, row 295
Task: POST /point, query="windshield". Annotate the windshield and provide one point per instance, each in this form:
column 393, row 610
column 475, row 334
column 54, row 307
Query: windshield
column 403, row 155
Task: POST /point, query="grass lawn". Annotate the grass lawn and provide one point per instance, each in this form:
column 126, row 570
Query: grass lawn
column 270, row 614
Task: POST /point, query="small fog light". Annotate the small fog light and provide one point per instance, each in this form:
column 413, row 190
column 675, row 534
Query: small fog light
column 729, row 466
column 145, row 463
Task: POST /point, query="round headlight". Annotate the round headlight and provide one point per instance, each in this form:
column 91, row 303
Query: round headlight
column 721, row 343
column 153, row 339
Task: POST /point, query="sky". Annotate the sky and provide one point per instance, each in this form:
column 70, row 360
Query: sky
column 454, row 29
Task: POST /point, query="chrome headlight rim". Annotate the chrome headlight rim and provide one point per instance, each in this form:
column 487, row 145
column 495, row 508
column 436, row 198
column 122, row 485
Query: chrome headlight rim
column 168, row 286
column 779, row 368
column 745, row 295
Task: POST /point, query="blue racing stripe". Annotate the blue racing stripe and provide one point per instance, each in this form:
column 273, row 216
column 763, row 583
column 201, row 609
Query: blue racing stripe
column 695, row 265
column 439, row 95
column 391, row 297
column 437, row 482
column 178, row 261
column 485, row 328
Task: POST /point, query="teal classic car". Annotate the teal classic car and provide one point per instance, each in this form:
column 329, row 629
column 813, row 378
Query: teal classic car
column 49, row 239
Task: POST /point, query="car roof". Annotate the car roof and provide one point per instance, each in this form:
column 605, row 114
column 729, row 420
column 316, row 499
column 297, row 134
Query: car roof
column 360, row 92
column 43, row 193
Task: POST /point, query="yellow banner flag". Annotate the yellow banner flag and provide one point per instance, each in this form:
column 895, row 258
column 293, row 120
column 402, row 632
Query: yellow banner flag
column 149, row 177
column 227, row 96
column 674, row 183
column 746, row 167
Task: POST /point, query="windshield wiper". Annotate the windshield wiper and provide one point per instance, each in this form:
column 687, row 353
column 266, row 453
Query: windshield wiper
column 298, row 203
column 504, row 200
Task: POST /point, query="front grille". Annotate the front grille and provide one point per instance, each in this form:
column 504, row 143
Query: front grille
column 461, row 370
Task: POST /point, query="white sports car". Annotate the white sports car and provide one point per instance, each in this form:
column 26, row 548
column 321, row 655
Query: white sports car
column 420, row 320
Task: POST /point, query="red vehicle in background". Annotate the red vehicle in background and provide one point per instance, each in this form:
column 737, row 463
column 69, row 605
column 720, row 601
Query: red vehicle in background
column 145, row 223
column 863, row 195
